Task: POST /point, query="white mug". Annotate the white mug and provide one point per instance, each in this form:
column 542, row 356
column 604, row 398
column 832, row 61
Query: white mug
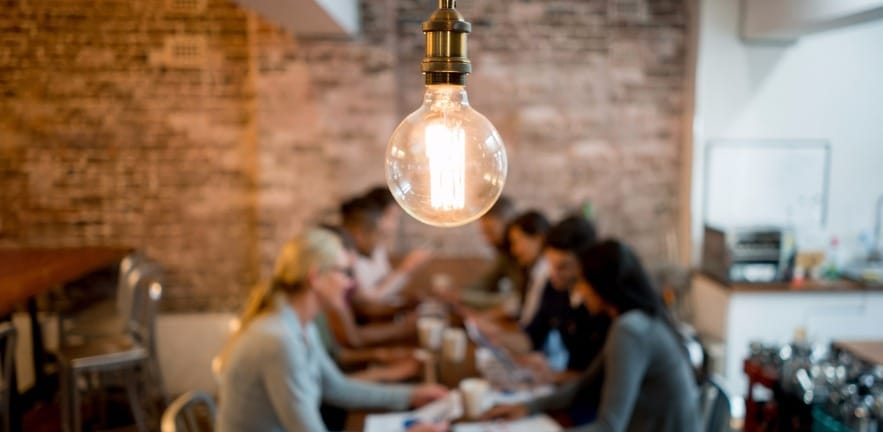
column 454, row 344
column 475, row 391
column 430, row 332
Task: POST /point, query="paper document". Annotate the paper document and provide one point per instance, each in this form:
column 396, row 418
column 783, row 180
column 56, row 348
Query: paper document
column 394, row 422
column 446, row 409
column 537, row 423
column 499, row 397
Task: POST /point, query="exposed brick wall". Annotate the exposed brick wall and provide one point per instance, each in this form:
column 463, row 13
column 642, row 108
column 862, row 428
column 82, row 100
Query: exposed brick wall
column 211, row 168
column 103, row 144
column 587, row 94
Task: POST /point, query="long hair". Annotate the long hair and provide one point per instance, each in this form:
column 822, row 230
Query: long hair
column 616, row 274
column 315, row 247
column 533, row 223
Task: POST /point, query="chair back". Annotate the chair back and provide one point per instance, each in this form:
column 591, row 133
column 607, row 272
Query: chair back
column 145, row 306
column 716, row 406
column 132, row 268
column 125, row 284
column 193, row 411
column 7, row 356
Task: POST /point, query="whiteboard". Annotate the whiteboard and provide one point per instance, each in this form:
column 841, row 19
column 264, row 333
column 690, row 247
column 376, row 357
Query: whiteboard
column 783, row 183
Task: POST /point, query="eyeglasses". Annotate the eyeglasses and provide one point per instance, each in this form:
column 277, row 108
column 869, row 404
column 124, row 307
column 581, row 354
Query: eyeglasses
column 346, row 270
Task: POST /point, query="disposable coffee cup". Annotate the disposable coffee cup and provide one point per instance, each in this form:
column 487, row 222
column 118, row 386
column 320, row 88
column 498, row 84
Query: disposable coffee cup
column 454, row 344
column 430, row 330
column 475, row 392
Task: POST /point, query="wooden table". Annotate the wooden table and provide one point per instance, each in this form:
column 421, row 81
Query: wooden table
column 448, row 373
column 461, row 272
column 870, row 351
column 26, row 273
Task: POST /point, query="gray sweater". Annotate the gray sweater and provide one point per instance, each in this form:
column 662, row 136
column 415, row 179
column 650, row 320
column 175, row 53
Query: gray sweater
column 278, row 373
column 648, row 385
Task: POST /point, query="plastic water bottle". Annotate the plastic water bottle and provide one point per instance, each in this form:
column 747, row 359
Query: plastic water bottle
column 555, row 351
column 511, row 302
column 832, row 259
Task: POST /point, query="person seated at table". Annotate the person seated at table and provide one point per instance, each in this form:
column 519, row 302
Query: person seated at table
column 274, row 372
column 485, row 292
column 526, row 234
column 390, row 215
column 648, row 384
column 582, row 333
column 336, row 324
column 384, row 327
column 524, row 239
column 376, row 280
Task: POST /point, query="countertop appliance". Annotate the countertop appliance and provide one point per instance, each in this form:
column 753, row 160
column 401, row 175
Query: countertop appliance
column 751, row 254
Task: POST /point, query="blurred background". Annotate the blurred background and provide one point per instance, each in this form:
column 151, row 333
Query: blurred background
column 737, row 145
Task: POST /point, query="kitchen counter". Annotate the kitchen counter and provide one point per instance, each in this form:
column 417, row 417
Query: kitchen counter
column 734, row 315
column 805, row 286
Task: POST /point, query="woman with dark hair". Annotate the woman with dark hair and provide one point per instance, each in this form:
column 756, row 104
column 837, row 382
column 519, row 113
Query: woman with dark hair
column 648, row 383
column 526, row 234
column 390, row 212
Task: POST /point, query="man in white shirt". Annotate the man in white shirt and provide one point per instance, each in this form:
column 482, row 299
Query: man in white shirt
column 376, row 279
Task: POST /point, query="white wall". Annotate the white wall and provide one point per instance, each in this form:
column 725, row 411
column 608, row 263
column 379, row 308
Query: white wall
column 828, row 85
column 186, row 344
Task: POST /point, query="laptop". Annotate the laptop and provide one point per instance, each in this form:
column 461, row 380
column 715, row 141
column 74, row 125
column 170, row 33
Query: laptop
column 516, row 371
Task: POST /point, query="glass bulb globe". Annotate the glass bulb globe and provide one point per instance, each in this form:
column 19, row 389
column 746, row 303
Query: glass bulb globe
column 445, row 163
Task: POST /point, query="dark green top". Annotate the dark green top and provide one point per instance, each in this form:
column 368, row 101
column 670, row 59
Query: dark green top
column 484, row 293
column 648, row 384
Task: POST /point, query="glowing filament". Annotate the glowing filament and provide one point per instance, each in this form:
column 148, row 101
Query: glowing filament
column 446, row 151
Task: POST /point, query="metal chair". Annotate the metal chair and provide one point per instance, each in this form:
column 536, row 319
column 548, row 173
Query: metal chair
column 109, row 318
column 716, row 406
column 193, row 411
column 132, row 357
column 7, row 356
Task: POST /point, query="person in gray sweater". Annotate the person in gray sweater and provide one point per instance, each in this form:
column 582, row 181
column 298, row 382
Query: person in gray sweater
column 648, row 384
column 275, row 371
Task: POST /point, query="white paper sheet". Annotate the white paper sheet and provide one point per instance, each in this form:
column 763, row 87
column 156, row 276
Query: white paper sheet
column 498, row 397
column 537, row 423
column 446, row 409
column 394, row 422
column 450, row 408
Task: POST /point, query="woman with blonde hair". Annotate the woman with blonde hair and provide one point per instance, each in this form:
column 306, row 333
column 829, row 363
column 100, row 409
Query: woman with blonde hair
column 275, row 371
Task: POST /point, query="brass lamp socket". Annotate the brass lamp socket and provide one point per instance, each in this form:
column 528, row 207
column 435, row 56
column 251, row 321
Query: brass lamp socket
column 446, row 61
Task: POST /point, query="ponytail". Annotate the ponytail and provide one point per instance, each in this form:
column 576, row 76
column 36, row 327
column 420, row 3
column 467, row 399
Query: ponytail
column 316, row 247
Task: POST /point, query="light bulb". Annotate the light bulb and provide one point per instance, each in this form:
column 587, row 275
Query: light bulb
column 445, row 163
